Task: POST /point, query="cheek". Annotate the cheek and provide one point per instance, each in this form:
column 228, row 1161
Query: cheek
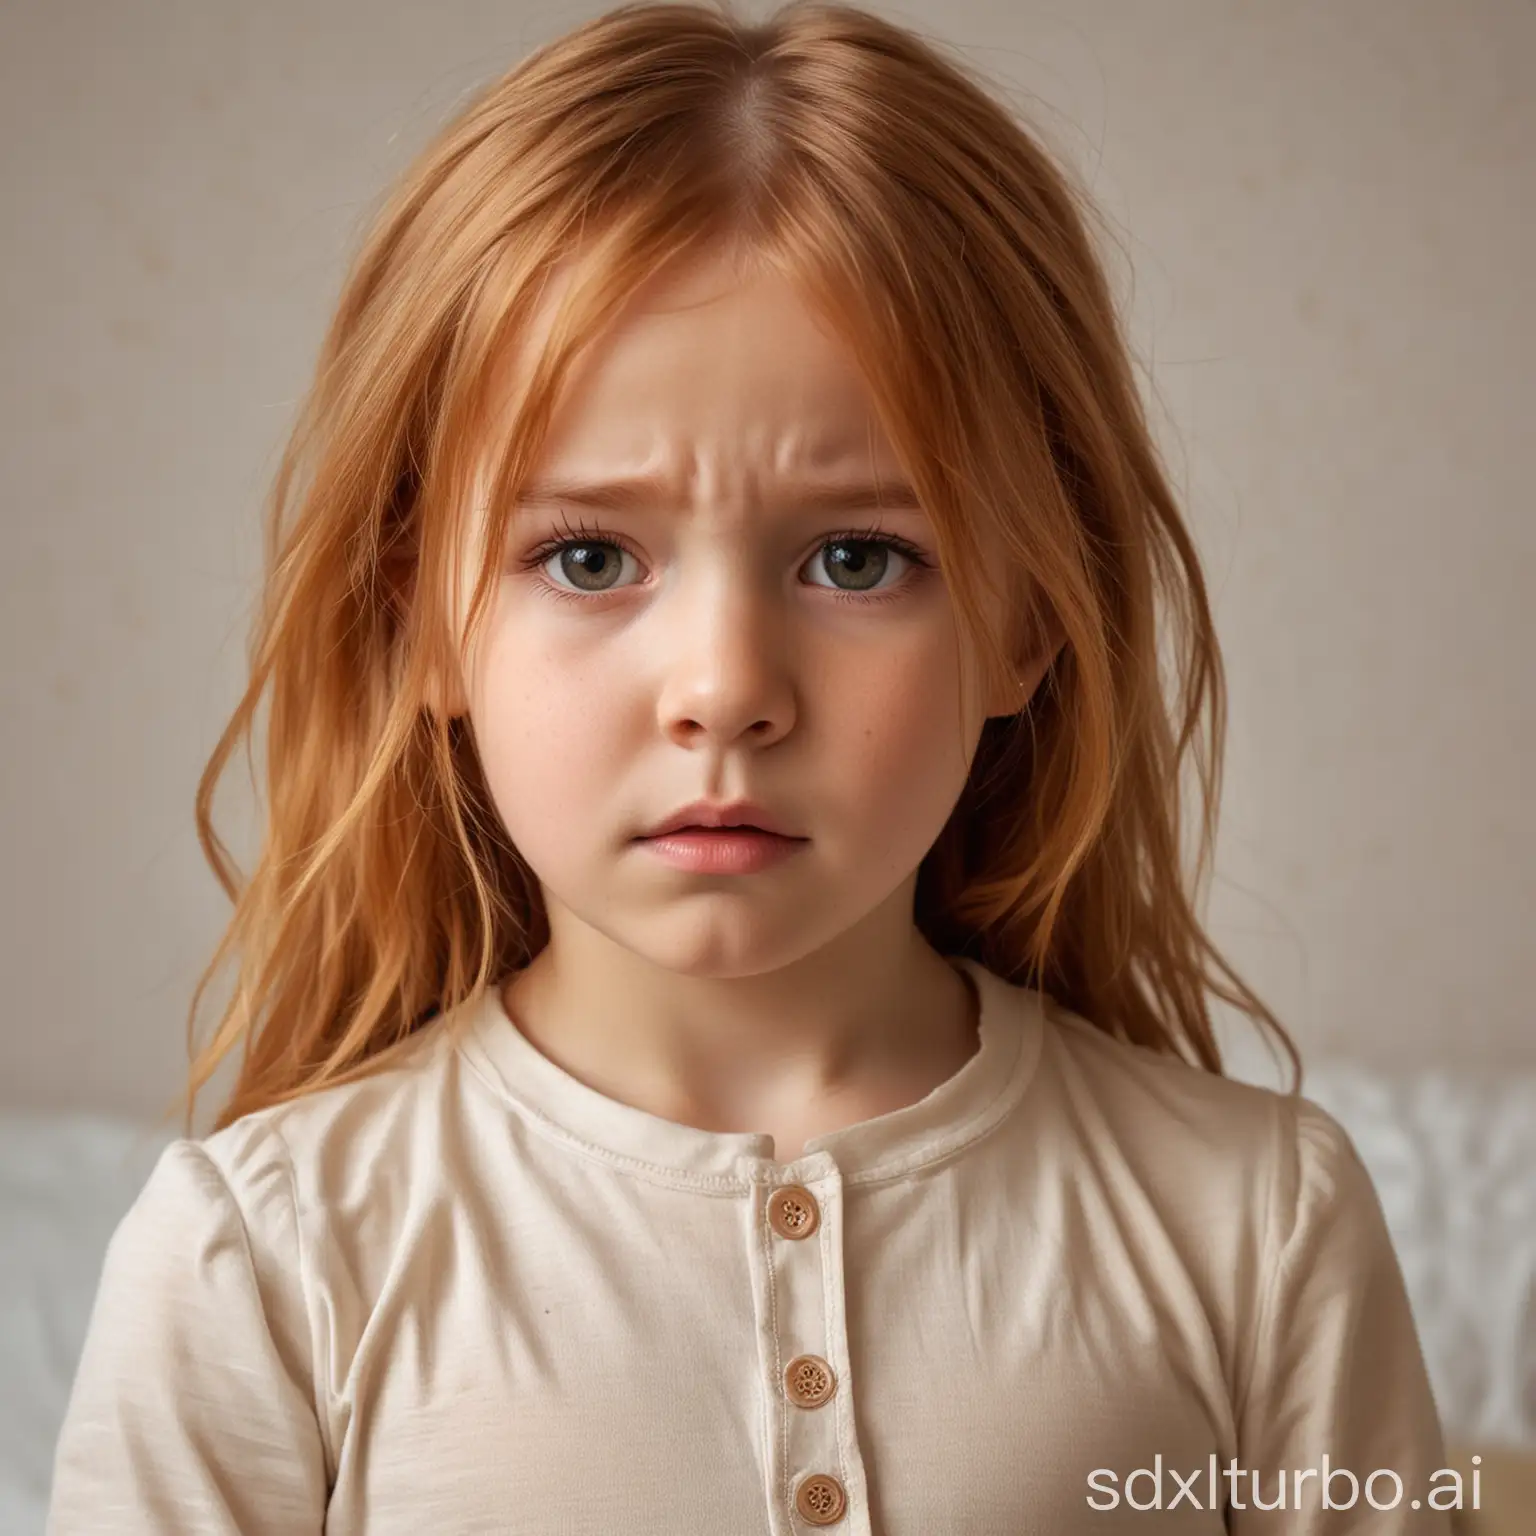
column 544, row 734
column 884, row 752
column 900, row 737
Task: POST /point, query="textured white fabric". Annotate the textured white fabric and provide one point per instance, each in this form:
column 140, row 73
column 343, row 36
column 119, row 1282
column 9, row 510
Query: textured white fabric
column 473, row 1294
column 1453, row 1158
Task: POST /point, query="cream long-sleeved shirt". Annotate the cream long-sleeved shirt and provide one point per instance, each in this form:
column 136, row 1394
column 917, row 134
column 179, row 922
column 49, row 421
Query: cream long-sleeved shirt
column 473, row 1294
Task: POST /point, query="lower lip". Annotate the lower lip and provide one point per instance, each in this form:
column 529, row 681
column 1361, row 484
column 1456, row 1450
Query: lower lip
column 731, row 852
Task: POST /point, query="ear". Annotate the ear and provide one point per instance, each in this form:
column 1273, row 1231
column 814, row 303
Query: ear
column 1047, row 639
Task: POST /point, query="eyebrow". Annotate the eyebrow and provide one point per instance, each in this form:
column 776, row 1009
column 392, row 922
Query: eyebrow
column 634, row 492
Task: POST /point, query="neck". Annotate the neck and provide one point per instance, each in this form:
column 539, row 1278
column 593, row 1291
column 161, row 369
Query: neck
column 875, row 1017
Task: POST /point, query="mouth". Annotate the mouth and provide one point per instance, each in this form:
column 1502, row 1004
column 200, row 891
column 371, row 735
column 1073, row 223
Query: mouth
column 704, row 818
column 738, row 850
column 694, row 830
column 744, row 832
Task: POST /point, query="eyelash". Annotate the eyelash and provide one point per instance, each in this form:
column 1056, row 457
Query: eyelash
column 582, row 534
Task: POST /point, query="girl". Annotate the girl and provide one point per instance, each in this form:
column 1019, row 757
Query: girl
column 724, row 1033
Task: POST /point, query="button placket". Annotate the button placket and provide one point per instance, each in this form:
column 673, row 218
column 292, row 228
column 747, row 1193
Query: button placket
column 801, row 1217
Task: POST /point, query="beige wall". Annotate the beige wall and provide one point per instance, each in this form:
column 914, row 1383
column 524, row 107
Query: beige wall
column 1328, row 237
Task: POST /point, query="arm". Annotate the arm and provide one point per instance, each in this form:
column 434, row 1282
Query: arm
column 190, row 1412
column 1336, row 1367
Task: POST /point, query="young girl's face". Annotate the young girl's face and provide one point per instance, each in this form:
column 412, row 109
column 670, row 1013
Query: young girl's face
column 715, row 640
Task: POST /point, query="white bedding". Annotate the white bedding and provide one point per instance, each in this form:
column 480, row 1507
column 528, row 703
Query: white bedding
column 1454, row 1160
column 65, row 1181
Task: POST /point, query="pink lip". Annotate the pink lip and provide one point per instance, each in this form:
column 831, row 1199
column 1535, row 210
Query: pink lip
column 721, row 851
column 706, row 815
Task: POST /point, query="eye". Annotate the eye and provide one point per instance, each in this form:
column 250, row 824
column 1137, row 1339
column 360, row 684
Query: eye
column 859, row 558
column 590, row 565
column 863, row 561
column 586, row 562
column 588, row 558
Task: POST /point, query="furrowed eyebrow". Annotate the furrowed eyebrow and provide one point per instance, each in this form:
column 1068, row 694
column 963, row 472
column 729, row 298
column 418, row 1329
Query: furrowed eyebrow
column 634, row 493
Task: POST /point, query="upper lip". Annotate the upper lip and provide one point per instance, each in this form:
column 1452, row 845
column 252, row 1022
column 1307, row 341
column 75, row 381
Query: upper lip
column 711, row 813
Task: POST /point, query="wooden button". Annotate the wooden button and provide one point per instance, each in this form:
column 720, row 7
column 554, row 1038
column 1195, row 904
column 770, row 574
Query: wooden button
column 809, row 1381
column 820, row 1499
column 792, row 1211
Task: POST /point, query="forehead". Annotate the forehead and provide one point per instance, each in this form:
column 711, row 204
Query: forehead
column 713, row 374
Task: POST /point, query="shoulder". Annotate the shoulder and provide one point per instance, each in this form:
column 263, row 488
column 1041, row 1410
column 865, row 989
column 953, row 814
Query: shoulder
column 1213, row 1142
column 197, row 1304
column 257, row 1191
column 1241, row 1199
column 320, row 1148
column 201, row 1274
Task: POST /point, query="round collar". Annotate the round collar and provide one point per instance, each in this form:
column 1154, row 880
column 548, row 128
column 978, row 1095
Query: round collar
column 959, row 1110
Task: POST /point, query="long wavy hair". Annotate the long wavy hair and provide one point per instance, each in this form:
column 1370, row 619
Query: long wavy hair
column 952, row 255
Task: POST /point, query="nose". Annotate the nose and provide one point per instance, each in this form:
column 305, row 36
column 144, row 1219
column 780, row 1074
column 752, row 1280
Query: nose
column 728, row 676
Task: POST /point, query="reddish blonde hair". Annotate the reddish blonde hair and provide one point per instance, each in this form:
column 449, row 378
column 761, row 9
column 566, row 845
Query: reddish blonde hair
column 952, row 255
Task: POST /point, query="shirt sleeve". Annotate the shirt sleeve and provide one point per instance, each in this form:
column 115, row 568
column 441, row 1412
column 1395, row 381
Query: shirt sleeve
column 1337, row 1371
column 191, row 1409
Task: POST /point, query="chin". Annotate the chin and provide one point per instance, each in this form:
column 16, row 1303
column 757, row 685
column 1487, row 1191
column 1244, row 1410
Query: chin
column 724, row 945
